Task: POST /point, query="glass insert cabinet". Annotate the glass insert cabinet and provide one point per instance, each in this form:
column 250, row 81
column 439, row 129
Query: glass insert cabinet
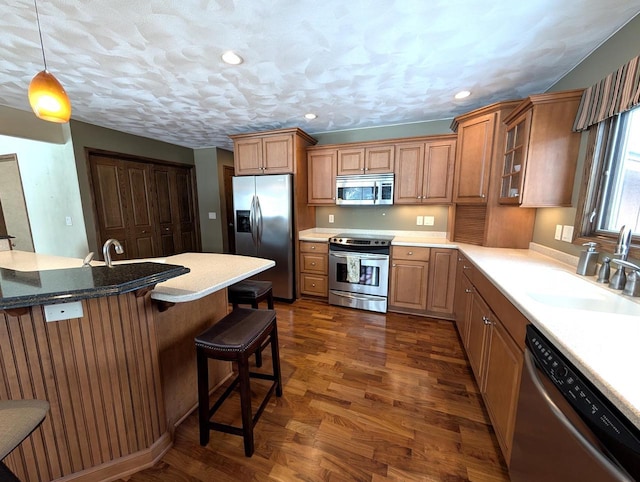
column 515, row 160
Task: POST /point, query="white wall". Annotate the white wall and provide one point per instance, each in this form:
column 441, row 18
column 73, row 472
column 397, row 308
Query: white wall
column 50, row 184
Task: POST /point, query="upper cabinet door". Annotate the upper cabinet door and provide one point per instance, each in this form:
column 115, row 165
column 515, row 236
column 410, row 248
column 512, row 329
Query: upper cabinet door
column 351, row 161
column 322, row 176
column 278, row 154
column 437, row 184
column 473, row 159
column 248, row 156
column 379, row 159
column 409, row 168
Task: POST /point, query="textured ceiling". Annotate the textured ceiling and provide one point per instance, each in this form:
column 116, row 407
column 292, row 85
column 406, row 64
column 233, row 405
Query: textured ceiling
column 153, row 68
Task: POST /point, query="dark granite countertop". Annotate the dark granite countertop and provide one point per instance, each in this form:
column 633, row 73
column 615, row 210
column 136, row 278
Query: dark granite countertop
column 20, row 289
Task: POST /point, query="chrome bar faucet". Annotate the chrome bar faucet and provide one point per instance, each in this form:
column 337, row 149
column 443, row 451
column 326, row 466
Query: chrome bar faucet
column 624, row 242
column 107, row 254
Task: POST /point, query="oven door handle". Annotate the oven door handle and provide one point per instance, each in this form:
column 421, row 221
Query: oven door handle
column 367, row 257
column 354, row 297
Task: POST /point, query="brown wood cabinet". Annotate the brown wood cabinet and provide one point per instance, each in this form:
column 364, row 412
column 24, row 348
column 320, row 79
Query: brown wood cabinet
column 149, row 207
column 409, row 278
column 272, row 152
column 424, row 171
column 494, row 344
column 442, row 281
column 373, row 159
column 314, row 268
column 478, row 217
column 322, row 176
column 541, row 151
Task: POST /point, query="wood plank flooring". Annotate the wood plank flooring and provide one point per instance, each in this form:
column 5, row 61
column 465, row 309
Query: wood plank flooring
column 367, row 397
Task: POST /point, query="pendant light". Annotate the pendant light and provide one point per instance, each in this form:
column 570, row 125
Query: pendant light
column 47, row 97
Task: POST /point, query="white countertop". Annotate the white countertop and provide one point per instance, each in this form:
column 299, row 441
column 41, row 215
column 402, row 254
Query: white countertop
column 209, row 273
column 596, row 328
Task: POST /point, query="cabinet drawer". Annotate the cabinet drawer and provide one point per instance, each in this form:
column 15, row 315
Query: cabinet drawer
column 313, row 284
column 314, row 263
column 312, row 247
column 410, row 253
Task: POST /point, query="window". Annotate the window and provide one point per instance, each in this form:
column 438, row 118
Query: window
column 611, row 193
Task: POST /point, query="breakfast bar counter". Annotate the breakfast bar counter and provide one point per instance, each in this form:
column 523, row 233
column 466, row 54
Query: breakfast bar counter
column 119, row 373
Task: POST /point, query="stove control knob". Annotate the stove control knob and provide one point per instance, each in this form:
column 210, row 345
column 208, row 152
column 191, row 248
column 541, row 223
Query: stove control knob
column 561, row 371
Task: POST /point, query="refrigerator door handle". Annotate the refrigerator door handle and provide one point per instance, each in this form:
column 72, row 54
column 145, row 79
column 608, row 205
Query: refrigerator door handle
column 259, row 220
column 253, row 221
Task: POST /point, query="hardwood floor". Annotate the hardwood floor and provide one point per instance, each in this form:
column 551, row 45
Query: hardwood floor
column 367, row 397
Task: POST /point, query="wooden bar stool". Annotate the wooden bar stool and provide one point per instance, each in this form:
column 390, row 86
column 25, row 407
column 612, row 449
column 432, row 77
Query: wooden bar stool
column 18, row 418
column 235, row 338
column 251, row 292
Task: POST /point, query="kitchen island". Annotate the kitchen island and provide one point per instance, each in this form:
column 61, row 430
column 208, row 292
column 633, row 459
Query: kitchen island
column 110, row 371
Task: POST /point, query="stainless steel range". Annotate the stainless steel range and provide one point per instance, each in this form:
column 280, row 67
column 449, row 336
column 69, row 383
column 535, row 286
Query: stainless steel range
column 359, row 271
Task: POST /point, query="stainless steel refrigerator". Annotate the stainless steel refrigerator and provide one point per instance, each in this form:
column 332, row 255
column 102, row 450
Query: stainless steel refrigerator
column 263, row 215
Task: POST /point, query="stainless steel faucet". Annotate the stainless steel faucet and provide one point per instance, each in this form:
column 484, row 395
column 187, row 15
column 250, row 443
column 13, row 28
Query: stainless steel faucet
column 107, row 254
column 624, row 242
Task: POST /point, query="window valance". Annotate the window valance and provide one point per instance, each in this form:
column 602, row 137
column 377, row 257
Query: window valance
column 617, row 92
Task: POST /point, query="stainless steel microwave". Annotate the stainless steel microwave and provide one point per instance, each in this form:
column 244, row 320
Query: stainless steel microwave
column 368, row 190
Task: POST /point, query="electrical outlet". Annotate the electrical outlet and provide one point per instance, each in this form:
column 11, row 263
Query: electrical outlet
column 68, row 221
column 429, row 220
column 212, row 216
column 331, row 219
column 63, row 311
column 419, row 220
column 558, row 234
column 567, row 233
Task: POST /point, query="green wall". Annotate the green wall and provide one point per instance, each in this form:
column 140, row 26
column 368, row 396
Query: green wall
column 90, row 136
column 612, row 54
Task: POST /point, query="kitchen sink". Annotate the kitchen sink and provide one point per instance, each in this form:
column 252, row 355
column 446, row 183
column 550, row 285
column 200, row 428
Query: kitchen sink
column 565, row 290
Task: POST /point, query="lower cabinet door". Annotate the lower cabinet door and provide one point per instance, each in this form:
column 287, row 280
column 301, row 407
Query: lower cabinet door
column 502, row 382
column 408, row 287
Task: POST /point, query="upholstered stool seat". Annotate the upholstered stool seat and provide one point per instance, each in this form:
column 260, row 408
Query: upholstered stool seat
column 251, row 292
column 235, row 338
column 18, row 418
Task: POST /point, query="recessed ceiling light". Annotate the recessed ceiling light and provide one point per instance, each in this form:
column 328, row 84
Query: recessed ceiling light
column 463, row 94
column 310, row 116
column 231, row 58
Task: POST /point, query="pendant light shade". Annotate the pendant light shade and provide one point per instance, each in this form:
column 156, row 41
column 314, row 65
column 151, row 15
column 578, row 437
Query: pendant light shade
column 48, row 99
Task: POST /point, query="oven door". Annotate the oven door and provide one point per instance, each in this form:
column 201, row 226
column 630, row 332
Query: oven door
column 373, row 271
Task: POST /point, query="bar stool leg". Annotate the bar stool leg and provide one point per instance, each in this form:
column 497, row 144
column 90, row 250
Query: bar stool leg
column 275, row 356
column 245, row 404
column 203, row 396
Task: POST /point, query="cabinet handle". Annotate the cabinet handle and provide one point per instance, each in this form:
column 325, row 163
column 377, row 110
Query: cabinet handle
column 394, row 265
column 166, row 229
column 464, row 266
column 313, row 264
column 467, row 290
column 482, row 196
column 313, row 247
column 410, row 253
column 486, row 320
column 313, row 285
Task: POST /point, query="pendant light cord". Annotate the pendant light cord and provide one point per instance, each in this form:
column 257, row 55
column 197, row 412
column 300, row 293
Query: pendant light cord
column 40, row 33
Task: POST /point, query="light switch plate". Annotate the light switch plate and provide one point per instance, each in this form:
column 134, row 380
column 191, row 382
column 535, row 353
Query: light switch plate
column 558, row 235
column 419, row 220
column 63, row 311
column 429, row 220
column 212, row 216
column 567, row 233
column 331, row 218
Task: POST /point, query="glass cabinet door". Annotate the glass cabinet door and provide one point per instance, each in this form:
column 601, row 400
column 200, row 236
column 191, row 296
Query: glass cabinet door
column 514, row 160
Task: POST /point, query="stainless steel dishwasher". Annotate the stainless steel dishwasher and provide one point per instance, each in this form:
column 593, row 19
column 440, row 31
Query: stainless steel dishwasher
column 566, row 430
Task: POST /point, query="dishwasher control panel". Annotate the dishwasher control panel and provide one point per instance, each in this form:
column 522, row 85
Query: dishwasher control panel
column 583, row 396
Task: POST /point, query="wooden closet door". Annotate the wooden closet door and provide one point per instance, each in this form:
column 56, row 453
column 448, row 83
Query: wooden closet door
column 110, row 202
column 164, row 184
column 187, row 211
column 141, row 237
